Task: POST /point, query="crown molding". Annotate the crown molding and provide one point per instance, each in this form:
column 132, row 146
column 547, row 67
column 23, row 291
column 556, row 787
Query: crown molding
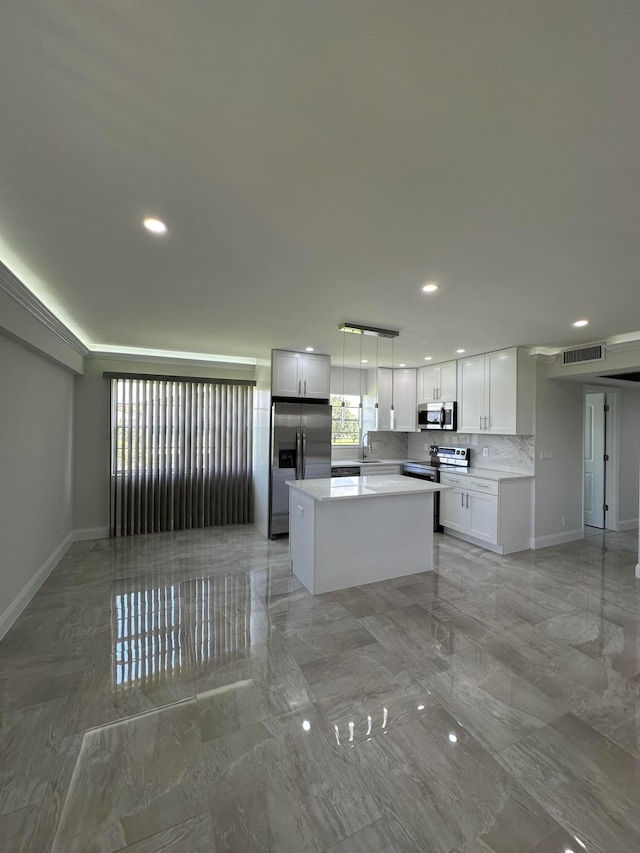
column 623, row 346
column 165, row 359
column 543, row 357
column 14, row 288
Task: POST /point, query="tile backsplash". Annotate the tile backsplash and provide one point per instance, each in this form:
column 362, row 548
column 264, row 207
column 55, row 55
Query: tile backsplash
column 506, row 452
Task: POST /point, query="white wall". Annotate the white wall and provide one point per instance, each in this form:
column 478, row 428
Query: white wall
column 629, row 457
column 36, row 440
column 558, row 481
column 91, row 424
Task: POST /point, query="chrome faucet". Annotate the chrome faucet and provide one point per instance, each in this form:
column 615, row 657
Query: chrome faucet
column 368, row 447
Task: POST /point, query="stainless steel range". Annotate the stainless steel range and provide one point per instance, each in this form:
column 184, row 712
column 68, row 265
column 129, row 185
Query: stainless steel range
column 441, row 458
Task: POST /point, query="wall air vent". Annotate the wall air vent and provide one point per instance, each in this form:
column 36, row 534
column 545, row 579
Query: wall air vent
column 594, row 352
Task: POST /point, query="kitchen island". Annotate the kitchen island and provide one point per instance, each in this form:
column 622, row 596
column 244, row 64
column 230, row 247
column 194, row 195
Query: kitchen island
column 350, row 531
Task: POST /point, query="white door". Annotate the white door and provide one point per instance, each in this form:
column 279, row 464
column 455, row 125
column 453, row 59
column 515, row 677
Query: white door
column 285, row 379
column 427, row 384
column 482, row 516
column 453, row 512
column 500, row 391
column 316, row 375
column 471, row 394
column 404, row 399
column 448, row 382
column 594, row 464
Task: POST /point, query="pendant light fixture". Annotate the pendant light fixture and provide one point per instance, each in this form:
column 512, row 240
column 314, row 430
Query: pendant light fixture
column 342, row 408
column 377, row 332
column 376, row 410
column 392, row 411
column 360, row 384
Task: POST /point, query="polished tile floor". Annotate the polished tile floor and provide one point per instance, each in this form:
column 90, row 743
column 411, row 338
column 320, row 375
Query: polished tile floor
column 182, row 692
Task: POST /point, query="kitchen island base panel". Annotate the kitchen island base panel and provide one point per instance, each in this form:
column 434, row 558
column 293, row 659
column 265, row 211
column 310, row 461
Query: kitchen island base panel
column 344, row 543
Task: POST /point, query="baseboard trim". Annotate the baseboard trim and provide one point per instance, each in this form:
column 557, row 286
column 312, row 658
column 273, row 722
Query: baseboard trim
column 23, row 598
column 87, row 533
column 557, row 538
column 20, row 602
column 629, row 524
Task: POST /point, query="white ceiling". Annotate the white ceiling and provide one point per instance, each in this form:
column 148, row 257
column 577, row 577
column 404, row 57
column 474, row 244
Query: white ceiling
column 317, row 162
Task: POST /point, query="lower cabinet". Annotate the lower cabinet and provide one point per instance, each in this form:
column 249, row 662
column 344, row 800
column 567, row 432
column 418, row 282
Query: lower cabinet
column 493, row 513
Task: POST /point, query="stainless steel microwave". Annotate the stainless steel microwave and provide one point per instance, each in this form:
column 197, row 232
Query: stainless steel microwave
column 438, row 416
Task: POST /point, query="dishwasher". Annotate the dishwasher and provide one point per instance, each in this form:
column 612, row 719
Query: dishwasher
column 345, row 471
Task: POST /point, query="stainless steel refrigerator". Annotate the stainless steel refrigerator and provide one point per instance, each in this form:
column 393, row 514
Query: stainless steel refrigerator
column 300, row 450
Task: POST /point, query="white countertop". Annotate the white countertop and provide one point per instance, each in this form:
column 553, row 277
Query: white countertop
column 349, row 463
column 367, row 486
column 485, row 473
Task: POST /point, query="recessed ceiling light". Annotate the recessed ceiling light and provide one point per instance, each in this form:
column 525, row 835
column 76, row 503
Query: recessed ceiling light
column 459, row 350
column 156, row 226
column 402, row 364
column 581, row 323
column 308, row 349
column 428, row 358
column 364, row 361
column 430, row 287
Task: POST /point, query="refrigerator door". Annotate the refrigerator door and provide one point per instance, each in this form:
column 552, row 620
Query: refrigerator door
column 300, row 449
column 316, row 441
column 286, row 462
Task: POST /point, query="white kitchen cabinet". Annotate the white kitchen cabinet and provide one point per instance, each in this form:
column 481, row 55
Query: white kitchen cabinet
column 493, row 514
column 398, row 385
column 496, row 393
column 437, row 383
column 470, row 509
column 300, row 374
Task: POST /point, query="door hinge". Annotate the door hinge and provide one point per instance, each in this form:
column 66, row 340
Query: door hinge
column 606, row 457
column 606, row 407
column 605, row 507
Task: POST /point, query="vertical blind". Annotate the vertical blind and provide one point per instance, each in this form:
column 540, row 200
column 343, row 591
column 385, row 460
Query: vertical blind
column 180, row 454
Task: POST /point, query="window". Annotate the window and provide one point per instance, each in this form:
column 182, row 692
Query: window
column 346, row 421
column 180, row 453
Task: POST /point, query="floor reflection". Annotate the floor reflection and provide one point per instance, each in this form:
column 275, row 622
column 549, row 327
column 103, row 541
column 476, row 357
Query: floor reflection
column 154, row 625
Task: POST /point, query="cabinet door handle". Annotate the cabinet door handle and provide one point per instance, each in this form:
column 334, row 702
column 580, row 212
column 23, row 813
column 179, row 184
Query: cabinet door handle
column 462, row 499
column 305, row 387
column 486, row 425
column 480, row 485
column 480, row 421
column 299, row 387
column 467, row 500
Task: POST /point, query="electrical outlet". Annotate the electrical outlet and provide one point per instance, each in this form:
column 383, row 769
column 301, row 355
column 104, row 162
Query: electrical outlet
column 485, row 451
column 564, row 522
column 427, row 445
column 375, row 445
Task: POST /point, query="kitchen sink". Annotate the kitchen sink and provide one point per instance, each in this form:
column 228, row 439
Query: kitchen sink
column 369, row 462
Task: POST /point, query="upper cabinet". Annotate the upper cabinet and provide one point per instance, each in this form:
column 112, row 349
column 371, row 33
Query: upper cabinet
column 437, row 383
column 300, row 374
column 398, row 385
column 496, row 393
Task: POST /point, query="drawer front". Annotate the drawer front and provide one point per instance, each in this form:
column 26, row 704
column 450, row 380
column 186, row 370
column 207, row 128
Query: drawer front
column 477, row 484
column 453, row 480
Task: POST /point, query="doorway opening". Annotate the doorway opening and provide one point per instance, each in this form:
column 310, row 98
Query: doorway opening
column 600, row 459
